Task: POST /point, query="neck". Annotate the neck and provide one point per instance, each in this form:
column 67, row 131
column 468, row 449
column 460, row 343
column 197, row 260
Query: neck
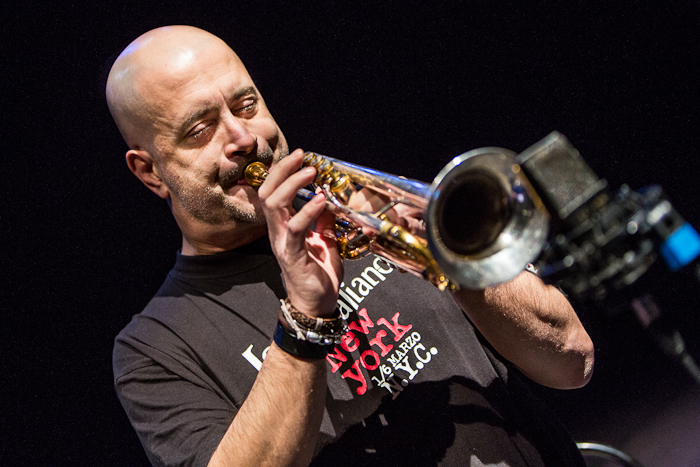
column 193, row 245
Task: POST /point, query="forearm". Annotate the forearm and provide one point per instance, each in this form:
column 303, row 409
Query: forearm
column 533, row 326
column 279, row 422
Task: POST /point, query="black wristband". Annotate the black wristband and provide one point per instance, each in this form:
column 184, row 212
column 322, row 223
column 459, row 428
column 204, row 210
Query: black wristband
column 288, row 342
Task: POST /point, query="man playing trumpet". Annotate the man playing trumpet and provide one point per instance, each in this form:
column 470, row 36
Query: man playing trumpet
column 213, row 372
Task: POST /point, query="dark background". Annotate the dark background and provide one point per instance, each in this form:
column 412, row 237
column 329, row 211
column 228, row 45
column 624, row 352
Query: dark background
column 400, row 86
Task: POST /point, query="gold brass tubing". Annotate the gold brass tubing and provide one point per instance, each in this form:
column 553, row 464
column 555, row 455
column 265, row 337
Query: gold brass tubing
column 418, row 250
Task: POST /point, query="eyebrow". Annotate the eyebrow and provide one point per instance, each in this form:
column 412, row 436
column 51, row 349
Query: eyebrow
column 196, row 115
column 243, row 91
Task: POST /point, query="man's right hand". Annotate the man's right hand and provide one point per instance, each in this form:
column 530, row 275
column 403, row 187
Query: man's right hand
column 279, row 421
column 309, row 259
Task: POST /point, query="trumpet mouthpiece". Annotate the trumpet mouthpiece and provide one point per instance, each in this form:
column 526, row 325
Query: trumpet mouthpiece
column 255, row 173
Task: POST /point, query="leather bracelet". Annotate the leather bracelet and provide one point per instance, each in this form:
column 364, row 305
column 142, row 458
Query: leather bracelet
column 331, row 325
column 324, row 331
column 288, row 342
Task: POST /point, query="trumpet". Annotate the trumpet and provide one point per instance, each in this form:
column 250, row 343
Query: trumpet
column 481, row 220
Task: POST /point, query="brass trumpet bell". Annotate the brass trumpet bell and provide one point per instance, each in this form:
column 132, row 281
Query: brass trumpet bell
column 484, row 221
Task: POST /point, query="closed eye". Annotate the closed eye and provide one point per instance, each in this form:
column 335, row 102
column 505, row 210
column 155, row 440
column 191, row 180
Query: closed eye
column 248, row 109
column 199, row 131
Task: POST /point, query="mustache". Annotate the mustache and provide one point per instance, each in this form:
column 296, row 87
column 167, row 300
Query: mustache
column 230, row 178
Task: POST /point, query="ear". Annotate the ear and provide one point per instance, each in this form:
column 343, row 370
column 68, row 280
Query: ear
column 141, row 164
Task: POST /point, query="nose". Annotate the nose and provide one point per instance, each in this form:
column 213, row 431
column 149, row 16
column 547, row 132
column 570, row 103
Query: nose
column 239, row 141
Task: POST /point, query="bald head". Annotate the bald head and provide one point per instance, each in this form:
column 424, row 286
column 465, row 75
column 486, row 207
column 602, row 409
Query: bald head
column 157, row 61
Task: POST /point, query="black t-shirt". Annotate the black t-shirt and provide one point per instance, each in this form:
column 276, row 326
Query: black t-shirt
column 412, row 383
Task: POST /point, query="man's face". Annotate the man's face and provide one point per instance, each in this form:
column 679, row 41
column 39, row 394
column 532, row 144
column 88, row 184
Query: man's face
column 209, row 121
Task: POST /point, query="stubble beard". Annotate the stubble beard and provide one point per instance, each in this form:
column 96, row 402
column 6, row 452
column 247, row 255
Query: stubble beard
column 213, row 205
